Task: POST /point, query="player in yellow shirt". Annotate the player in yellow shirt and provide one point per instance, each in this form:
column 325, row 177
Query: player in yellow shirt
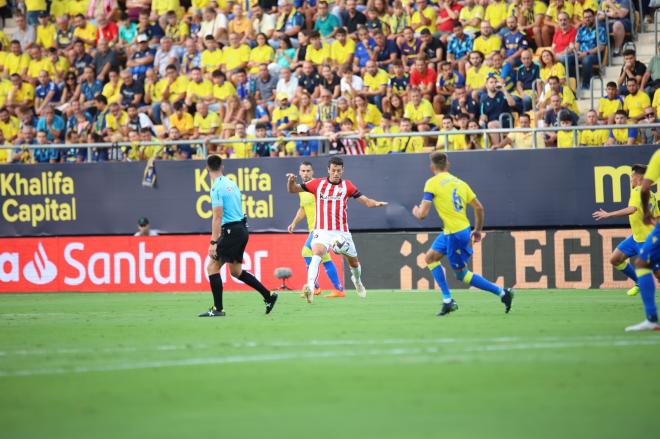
column 198, row 89
column 648, row 260
column 629, row 247
column 16, row 61
column 424, row 20
column 84, row 31
column 610, row 103
column 450, row 196
column 307, row 210
column 595, row 136
column 488, row 42
column 636, row 101
column 342, row 49
column 206, row 123
column 182, row 120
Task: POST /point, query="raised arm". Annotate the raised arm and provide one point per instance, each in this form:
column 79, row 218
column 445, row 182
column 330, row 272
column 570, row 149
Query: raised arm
column 292, row 187
column 368, row 202
column 601, row 214
column 478, row 219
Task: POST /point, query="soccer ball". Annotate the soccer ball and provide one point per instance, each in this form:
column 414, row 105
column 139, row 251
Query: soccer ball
column 340, row 246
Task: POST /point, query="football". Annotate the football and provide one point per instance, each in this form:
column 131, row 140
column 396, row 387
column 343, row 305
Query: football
column 340, row 246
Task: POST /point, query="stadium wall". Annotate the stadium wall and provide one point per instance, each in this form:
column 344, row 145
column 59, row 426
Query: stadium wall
column 525, row 189
column 552, row 258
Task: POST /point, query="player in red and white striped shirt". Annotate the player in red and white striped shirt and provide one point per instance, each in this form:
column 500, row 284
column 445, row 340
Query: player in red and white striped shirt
column 331, row 228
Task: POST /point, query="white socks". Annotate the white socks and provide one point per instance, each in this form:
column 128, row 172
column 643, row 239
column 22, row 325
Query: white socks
column 313, row 272
column 357, row 271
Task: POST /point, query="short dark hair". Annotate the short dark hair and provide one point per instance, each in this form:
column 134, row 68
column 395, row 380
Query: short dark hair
column 621, row 113
column 425, row 31
column 555, row 77
column 565, row 116
column 612, row 84
column 306, row 163
column 439, row 160
column 639, row 169
column 214, row 162
column 337, row 161
column 101, row 99
column 628, row 52
column 525, row 115
column 260, row 126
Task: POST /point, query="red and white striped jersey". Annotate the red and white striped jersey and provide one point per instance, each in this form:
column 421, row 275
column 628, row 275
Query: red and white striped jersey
column 354, row 146
column 331, row 200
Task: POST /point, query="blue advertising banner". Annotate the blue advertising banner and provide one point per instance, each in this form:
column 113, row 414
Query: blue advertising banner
column 519, row 189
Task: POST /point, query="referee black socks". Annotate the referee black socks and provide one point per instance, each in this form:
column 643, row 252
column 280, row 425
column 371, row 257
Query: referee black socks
column 248, row 278
column 216, row 288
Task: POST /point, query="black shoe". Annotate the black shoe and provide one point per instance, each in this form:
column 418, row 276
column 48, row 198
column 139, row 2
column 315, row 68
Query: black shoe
column 212, row 312
column 448, row 307
column 271, row 303
column 507, row 299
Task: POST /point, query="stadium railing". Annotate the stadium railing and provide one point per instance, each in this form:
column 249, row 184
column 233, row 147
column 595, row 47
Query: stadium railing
column 203, row 144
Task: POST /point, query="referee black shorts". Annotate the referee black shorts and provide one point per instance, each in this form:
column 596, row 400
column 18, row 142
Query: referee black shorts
column 232, row 242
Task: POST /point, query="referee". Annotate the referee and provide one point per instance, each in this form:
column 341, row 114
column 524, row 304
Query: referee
column 229, row 236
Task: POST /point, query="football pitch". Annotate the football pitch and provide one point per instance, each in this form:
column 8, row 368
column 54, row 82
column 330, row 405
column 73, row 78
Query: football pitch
column 143, row 365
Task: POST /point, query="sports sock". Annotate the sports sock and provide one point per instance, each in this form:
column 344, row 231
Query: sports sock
column 331, row 271
column 357, row 272
column 216, row 288
column 308, row 259
column 478, row 281
column 248, row 278
column 626, row 268
column 646, row 284
column 439, row 276
column 313, row 271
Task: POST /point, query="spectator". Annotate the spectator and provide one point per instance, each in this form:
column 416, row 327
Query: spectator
column 45, row 33
column 632, row 68
column 386, row 50
column 651, row 79
column 211, row 58
column 463, row 103
column 261, row 54
column 448, row 13
column 81, row 59
column 285, row 115
column 144, row 228
column 307, row 114
column 131, row 90
column 342, row 50
column 182, row 120
column 317, row 52
column 264, row 86
column 567, row 95
column 420, row 112
column 166, row 55
column 142, row 59
column 305, row 147
column 550, row 67
column 398, row 86
column 240, row 24
column 448, row 81
column 520, row 140
column 526, row 75
column 25, row 33
column 206, row 123
column 487, row 42
column 367, row 115
column 450, row 142
column 496, row 13
column 636, row 101
column 137, row 121
column 431, row 48
column 407, row 143
column 213, row 24
column 423, row 77
column 262, row 22
column 116, row 124
column 287, row 84
column 326, row 24
column 514, row 42
column 409, row 47
column 494, row 103
column 375, row 82
column 609, row 104
column 191, row 57
column 10, row 126
column 236, row 55
column 475, row 79
column 551, row 118
column 177, row 30
column 530, row 15
column 330, row 81
column 240, row 150
column 64, row 33
column 46, row 93
column 588, row 46
column 563, row 41
column 21, row 93
column 622, row 136
column 364, row 49
column 104, row 60
column 382, row 145
column 594, row 136
column 650, row 136
column 84, row 31
column 289, row 22
column 618, row 11
column 309, row 81
column 44, row 154
column 106, row 31
column 352, row 18
column 566, row 138
column 470, row 18
column 326, row 109
column 263, row 149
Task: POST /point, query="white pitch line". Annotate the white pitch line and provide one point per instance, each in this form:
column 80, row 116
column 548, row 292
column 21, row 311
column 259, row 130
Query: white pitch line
column 422, row 354
column 290, row 343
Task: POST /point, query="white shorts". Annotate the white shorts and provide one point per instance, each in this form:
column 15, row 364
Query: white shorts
column 328, row 237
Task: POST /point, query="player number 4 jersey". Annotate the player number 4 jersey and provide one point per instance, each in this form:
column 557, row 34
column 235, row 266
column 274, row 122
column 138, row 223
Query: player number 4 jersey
column 331, row 201
column 450, row 196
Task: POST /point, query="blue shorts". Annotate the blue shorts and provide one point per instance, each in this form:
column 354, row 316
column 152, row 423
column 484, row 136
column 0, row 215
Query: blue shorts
column 627, row 24
column 308, row 243
column 650, row 250
column 457, row 247
column 629, row 247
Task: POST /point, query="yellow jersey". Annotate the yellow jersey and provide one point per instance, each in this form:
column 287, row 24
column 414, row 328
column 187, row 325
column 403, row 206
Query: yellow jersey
column 200, row 90
column 211, row 60
column 86, row 33
column 75, row 7
column 232, row 58
column 318, row 56
column 593, row 137
column 184, row 123
column 241, row 150
column 5, row 88
column 11, row 128
column 636, row 219
column 340, row 53
column 382, row 145
column 429, row 13
column 468, row 15
column 496, row 13
column 308, row 203
column 309, row 116
column 35, row 67
column 450, row 196
column 451, row 142
column 113, row 122
column 653, row 169
column 565, row 139
column 222, row 92
column 557, row 70
column 16, row 63
column 179, row 87
column 608, row 107
column 261, row 55
column 416, row 114
column 58, row 8
column 372, row 116
column 111, row 92
column 636, row 104
column 408, row 144
column 487, row 46
column 207, row 125
column 25, row 94
column 373, row 83
column 552, row 11
column 282, row 116
column 476, row 79
column 46, row 36
column 35, row 5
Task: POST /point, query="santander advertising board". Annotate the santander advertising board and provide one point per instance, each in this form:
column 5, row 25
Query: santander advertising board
column 139, row 264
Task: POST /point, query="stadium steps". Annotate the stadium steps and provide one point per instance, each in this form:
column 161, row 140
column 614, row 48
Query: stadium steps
column 645, row 47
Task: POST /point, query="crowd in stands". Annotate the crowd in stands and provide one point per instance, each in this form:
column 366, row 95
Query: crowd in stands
column 146, row 71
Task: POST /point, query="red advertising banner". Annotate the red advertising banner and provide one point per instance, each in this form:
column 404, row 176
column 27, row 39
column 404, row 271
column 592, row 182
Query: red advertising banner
column 141, row 264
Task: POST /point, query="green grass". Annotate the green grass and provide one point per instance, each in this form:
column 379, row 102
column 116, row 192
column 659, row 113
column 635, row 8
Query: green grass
column 142, row 365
